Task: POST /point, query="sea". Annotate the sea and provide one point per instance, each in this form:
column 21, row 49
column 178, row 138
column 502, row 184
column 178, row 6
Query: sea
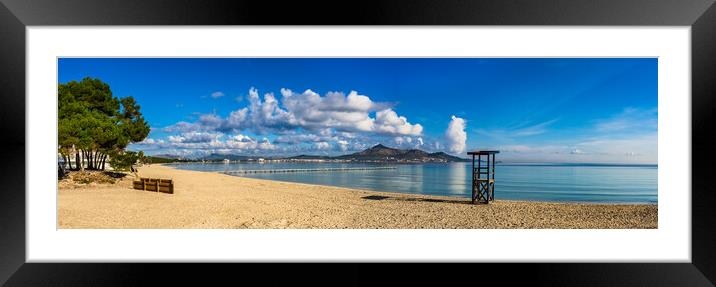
column 552, row 182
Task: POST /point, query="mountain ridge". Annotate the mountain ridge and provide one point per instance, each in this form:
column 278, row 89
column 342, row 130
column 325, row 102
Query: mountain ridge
column 377, row 153
column 380, row 152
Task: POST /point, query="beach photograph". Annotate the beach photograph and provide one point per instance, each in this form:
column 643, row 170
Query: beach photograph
column 357, row 143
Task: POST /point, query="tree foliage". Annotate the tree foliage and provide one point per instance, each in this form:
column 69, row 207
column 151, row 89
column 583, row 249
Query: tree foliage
column 93, row 124
column 123, row 161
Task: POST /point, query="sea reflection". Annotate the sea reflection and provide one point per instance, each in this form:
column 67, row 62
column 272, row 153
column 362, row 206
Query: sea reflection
column 582, row 183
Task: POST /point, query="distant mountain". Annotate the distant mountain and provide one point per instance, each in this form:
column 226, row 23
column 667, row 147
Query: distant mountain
column 167, row 156
column 384, row 153
column 378, row 153
column 303, row 156
column 447, row 157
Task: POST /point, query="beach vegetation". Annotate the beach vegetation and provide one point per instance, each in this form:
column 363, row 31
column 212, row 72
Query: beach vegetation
column 125, row 160
column 93, row 124
column 87, row 177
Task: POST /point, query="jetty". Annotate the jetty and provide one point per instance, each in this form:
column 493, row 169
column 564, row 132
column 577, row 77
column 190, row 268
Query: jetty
column 291, row 170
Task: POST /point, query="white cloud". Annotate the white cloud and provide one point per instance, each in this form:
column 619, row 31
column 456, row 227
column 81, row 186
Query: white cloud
column 217, row 94
column 388, row 121
column 629, row 120
column 644, row 146
column 210, row 121
column 201, row 143
column 195, row 137
column 150, row 141
column 342, row 145
column 298, row 122
column 516, row 148
column 399, row 140
column 641, row 149
column 407, row 142
column 456, row 136
column 322, row 146
column 532, row 130
column 243, row 143
column 524, row 129
column 183, row 127
column 241, row 138
column 307, row 110
column 299, row 138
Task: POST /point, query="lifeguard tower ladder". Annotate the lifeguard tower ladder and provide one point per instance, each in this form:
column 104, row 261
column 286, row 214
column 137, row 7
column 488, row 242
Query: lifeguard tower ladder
column 483, row 176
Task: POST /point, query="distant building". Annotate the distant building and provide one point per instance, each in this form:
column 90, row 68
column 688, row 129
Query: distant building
column 226, row 160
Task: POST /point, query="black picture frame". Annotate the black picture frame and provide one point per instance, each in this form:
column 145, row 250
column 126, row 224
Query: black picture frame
column 15, row 15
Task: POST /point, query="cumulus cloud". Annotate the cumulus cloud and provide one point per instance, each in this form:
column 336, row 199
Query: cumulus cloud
column 455, row 135
column 342, row 145
column 298, row 122
column 402, row 140
column 322, row 146
column 183, row 127
column 195, row 137
column 150, row 141
column 299, row 138
column 241, row 142
column 387, row 121
column 308, row 110
column 199, row 142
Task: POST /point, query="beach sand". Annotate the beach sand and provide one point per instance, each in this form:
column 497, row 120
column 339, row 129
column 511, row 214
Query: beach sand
column 214, row 200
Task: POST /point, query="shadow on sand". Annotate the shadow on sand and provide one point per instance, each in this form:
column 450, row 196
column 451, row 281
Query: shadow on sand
column 382, row 197
column 116, row 175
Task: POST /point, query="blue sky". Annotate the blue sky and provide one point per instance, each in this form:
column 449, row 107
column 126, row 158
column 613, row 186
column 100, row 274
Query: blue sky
column 533, row 110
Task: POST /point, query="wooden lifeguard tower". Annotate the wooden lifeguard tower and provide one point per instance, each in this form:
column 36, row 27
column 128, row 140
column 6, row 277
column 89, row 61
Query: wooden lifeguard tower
column 483, row 188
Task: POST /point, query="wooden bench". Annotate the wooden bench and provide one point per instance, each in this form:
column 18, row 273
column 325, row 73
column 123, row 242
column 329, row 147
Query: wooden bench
column 155, row 184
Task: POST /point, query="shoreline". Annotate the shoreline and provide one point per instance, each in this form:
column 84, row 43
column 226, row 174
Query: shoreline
column 416, row 194
column 216, row 200
column 445, row 196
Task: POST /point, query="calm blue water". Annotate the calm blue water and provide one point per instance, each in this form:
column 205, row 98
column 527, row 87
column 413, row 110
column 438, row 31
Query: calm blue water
column 543, row 182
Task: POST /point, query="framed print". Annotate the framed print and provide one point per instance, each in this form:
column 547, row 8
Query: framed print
column 422, row 132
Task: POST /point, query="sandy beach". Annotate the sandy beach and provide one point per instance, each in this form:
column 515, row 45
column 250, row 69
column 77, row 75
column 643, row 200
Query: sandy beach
column 214, row 200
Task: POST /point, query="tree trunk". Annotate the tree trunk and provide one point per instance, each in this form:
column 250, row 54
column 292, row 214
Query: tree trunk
column 64, row 158
column 78, row 161
column 104, row 158
column 91, row 153
column 88, row 159
column 94, row 160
